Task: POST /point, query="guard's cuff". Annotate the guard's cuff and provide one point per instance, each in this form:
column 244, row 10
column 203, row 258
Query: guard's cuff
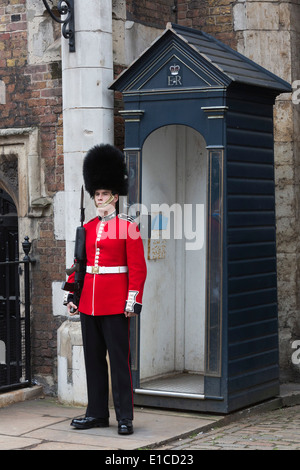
column 68, row 297
column 131, row 304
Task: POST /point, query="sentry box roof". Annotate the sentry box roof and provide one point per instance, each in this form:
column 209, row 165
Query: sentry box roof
column 204, row 62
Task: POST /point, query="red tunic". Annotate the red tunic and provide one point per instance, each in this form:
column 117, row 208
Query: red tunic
column 112, row 242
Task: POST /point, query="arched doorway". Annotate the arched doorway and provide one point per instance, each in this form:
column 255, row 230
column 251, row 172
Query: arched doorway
column 174, row 191
column 8, row 226
column 10, row 335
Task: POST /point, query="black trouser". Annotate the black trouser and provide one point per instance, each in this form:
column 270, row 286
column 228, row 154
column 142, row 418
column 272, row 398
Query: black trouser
column 101, row 334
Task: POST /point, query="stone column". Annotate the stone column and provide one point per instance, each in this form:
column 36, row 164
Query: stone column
column 87, row 120
column 87, row 102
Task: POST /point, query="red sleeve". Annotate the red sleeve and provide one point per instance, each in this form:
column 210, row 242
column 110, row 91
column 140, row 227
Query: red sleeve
column 71, row 278
column 137, row 270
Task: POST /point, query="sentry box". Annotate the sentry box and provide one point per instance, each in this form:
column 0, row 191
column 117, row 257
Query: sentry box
column 199, row 148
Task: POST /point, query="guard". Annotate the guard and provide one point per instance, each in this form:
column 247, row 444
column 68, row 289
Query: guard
column 112, row 291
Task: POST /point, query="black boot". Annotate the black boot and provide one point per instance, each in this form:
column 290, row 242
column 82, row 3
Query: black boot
column 125, row 426
column 89, row 422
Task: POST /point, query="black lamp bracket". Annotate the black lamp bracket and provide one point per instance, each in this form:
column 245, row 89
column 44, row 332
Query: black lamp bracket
column 65, row 8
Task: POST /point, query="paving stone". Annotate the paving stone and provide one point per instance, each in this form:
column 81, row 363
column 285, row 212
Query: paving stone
column 44, row 424
column 277, row 429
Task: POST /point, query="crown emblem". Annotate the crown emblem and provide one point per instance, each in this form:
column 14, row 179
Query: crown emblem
column 174, row 69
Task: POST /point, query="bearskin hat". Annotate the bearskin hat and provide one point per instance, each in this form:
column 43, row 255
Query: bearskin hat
column 104, row 168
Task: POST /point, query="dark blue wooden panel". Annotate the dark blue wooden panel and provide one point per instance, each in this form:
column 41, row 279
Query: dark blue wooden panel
column 244, row 120
column 251, row 170
column 248, row 331
column 251, row 299
column 255, row 314
column 254, row 250
column 251, row 203
column 250, row 186
column 250, row 234
column 255, row 218
column 249, row 138
column 253, row 346
column 251, row 252
column 249, row 380
column 251, row 283
column 251, row 266
column 245, row 154
column 249, row 364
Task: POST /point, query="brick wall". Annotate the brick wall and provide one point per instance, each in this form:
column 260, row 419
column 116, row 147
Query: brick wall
column 33, row 97
column 119, row 125
column 212, row 16
column 151, row 13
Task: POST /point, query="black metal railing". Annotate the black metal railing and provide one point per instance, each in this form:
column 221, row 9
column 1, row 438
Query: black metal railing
column 15, row 344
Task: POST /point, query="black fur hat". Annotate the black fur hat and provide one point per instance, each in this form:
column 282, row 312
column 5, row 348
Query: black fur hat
column 104, row 168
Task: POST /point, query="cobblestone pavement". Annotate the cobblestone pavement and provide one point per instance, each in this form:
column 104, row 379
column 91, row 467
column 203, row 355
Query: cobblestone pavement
column 272, row 430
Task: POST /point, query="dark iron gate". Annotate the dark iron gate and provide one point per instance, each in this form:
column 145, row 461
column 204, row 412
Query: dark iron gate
column 15, row 367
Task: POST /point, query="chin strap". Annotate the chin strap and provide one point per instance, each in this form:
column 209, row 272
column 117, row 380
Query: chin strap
column 104, row 204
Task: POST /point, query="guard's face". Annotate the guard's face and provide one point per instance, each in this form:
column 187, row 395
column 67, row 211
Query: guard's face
column 104, row 197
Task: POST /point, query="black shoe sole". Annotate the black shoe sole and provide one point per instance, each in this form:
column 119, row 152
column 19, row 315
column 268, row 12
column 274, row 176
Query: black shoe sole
column 83, row 426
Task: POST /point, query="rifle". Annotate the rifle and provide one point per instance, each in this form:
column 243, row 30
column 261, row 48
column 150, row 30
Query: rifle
column 79, row 266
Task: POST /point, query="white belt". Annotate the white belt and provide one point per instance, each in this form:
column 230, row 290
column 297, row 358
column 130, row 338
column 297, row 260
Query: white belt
column 106, row 269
